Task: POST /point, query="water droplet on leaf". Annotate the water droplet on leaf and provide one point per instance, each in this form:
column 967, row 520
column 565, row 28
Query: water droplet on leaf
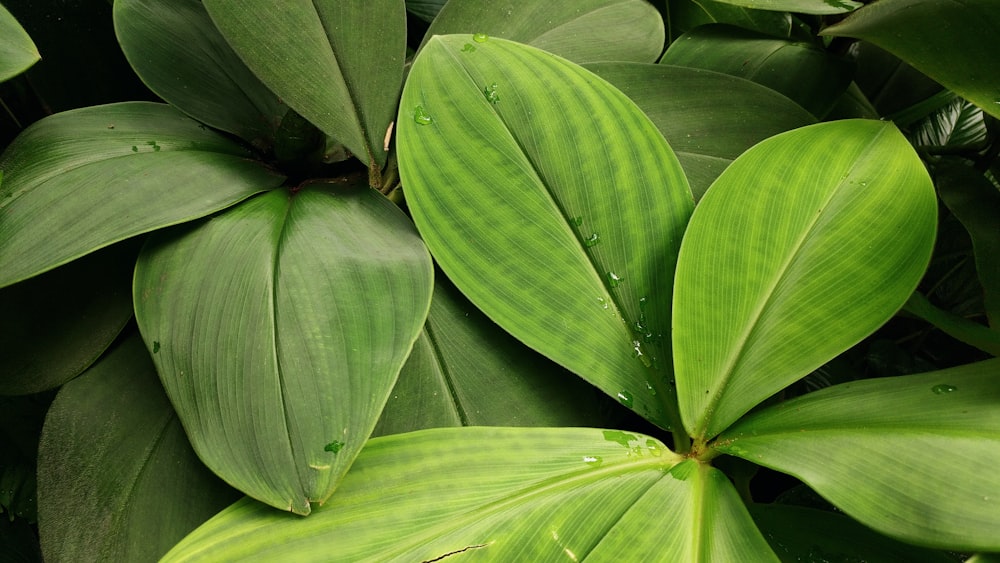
column 576, row 221
column 491, row 93
column 156, row 346
column 480, row 37
column 468, row 48
column 135, row 148
column 614, row 279
column 943, row 388
column 333, row 447
column 592, row 240
column 625, row 398
column 420, row 116
column 594, row 460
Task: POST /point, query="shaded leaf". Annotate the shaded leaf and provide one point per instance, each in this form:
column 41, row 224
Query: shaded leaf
column 20, row 427
column 533, row 495
column 581, row 31
column 77, row 309
column 117, row 480
column 17, row 51
column 952, row 42
column 957, row 125
column 852, row 104
column 278, row 329
column 129, row 168
column 928, row 444
column 338, row 64
column 801, row 6
column 466, row 371
column 686, row 15
column 709, row 118
column 426, row 10
column 806, row 74
column 569, row 247
column 969, row 332
column 806, row 244
column 176, row 49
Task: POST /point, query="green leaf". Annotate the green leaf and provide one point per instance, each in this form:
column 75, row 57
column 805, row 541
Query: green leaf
column 798, row 534
column 581, row 31
column 819, row 7
column 426, row 10
column 958, row 125
column 21, row 421
column 17, row 51
column 806, row 74
column 806, row 244
column 532, row 495
column 708, row 118
column 914, row 457
column 570, row 247
column 962, row 55
column 278, row 329
column 127, row 168
column 176, row 49
column 77, row 310
column 976, row 203
column 686, row 15
column 958, row 327
column 338, row 64
column 466, row 371
column 117, row 480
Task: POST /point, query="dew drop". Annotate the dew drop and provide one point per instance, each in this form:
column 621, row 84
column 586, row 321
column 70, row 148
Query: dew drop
column 637, row 353
column 420, row 116
column 135, row 148
column 576, row 221
column 653, row 447
column 333, row 447
column 491, row 93
column 156, row 346
column 468, row 48
column 625, row 398
column 650, row 388
column 593, row 460
column 943, row 388
column 614, row 279
column 592, row 240
column 480, row 37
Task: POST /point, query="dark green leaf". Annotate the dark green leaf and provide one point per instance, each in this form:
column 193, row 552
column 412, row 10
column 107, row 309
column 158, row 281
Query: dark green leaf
column 800, row 6
column 278, row 329
column 686, row 15
column 426, row 10
column 126, row 168
column 17, row 52
column 117, row 480
column 569, row 246
column 958, row 125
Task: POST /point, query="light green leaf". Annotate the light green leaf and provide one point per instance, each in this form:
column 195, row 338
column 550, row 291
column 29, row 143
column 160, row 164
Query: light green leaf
column 709, row 118
column 117, row 480
column 976, row 203
column 581, row 31
column 338, row 64
column 127, row 168
column 914, row 457
column 797, row 534
column 806, row 244
column 176, row 49
column 466, row 371
column 562, row 227
column 963, row 55
column 819, row 7
column 536, row 494
column 77, row 309
column 806, row 74
column 278, row 329
column 17, row 51
column 686, row 15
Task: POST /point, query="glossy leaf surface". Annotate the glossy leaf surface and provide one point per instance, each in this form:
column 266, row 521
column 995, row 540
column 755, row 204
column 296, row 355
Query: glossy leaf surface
column 818, row 7
column 117, row 478
column 807, row 243
column 338, row 64
column 17, row 51
column 804, row 73
column 466, row 371
column 581, row 31
column 77, row 309
column 532, row 495
column 570, row 247
column 958, row 125
column 129, row 168
column 928, row 445
column 278, row 329
column 952, row 42
column 709, row 118
column 176, row 49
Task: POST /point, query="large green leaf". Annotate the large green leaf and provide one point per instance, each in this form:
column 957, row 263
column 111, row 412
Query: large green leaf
column 581, row 31
column 802, row 6
column 914, row 457
column 958, row 125
column 952, row 42
column 563, row 227
column 426, row 10
column 278, row 329
column 117, row 479
column 84, row 179
column 338, row 64
column 686, row 15
column 57, row 324
column 709, row 118
column 805, row 73
column 895, row 88
column 17, row 51
column 806, row 244
column 176, row 49
column 466, row 371
column 531, row 495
